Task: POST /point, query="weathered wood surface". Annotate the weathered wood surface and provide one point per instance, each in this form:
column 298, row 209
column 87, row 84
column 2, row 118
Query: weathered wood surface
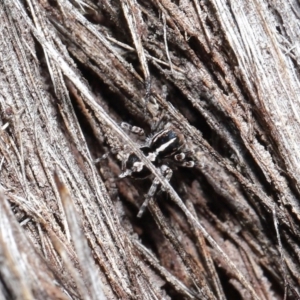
column 226, row 73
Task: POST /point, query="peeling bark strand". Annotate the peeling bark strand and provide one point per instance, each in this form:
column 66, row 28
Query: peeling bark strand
column 225, row 74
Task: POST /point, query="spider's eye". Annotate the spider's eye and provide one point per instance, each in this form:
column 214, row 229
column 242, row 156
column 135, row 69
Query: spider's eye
column 166, row 143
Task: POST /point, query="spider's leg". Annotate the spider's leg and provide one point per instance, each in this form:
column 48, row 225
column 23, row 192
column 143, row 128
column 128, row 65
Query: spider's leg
column 149, row 196
column 134, row 129
column 103, row 157
column 167, row 173
column 179, row 157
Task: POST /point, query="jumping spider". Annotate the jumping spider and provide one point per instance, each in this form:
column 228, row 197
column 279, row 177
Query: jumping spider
column 163, row 149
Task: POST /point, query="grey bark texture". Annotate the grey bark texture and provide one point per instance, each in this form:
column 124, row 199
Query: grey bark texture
column 223, row 73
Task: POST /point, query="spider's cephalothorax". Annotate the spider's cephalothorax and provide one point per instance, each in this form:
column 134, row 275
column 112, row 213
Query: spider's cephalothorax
column 164, row 150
